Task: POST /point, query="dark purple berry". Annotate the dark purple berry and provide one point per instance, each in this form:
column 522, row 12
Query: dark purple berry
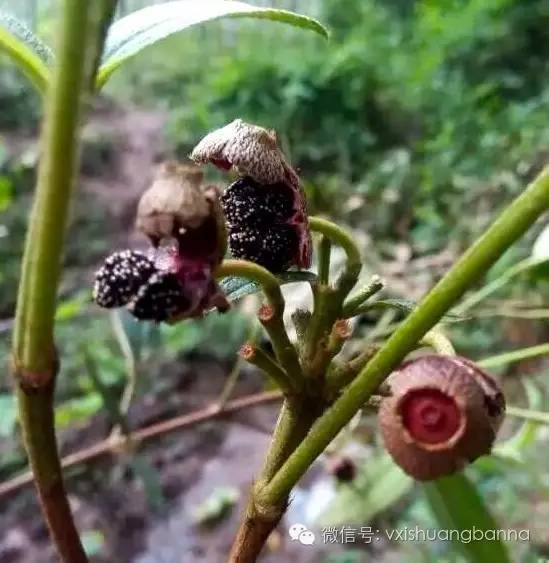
column 120, row 278
column 247, row 203
column 272, row 247
column 159, row 299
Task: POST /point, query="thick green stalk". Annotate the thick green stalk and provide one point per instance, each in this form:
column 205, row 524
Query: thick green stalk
column 509, row 227
column 34, row 358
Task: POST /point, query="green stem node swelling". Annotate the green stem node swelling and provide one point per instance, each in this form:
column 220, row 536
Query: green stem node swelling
column 509, row 227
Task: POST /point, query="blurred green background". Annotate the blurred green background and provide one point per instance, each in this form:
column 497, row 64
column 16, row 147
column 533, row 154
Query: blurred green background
column 413, row 125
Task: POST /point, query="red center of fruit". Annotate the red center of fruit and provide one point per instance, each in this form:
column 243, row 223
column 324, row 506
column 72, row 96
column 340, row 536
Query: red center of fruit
column 430, row 416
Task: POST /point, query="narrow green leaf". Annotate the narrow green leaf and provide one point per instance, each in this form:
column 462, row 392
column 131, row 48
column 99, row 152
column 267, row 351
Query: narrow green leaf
column 514, row 356
column 143, row 28
column 28, row 52
column 459, row 508
column 237, row 288
column 379, row 484
column 405, row 306
column 513, row 447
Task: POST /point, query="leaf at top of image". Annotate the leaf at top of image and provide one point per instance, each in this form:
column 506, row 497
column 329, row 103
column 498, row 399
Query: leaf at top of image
column 25, row 49
column 143, row 28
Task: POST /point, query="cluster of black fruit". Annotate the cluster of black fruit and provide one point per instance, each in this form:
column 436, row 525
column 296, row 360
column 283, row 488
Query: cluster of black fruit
column 129, row 278
column 258, row 222
column 259, row 228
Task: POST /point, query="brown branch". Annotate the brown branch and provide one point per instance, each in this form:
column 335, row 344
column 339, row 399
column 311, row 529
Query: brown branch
column 117, row 443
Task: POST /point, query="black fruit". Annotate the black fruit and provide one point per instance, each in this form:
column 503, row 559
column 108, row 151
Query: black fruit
column 160, row 299
column 247, row 203
column 272, row 247
column 120, row 277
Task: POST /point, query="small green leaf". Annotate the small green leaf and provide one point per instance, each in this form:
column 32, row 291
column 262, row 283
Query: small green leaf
column 237, row 288
column 405, row 306
column 70, row 308
column 28, row 52
column 457, row 505
column 77, row 410
column 143, row 28
column 379, row 484
column 513, row 447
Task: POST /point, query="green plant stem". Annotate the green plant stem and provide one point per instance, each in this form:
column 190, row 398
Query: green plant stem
column 113, row 408
column 259, row 358
column 272, row 317
column 514, row 356
column 36, row 412
column 234, row 375
column 294, row 422
column 328, row 301
column 374, row 286
column 509, row 227
column 339, row 376
column 338, row 235
column 232, row 378
column 34, row 357
column 230, row 383
column 325, row 311
column 349, row 276
column 131, row 366
column 324, row 254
